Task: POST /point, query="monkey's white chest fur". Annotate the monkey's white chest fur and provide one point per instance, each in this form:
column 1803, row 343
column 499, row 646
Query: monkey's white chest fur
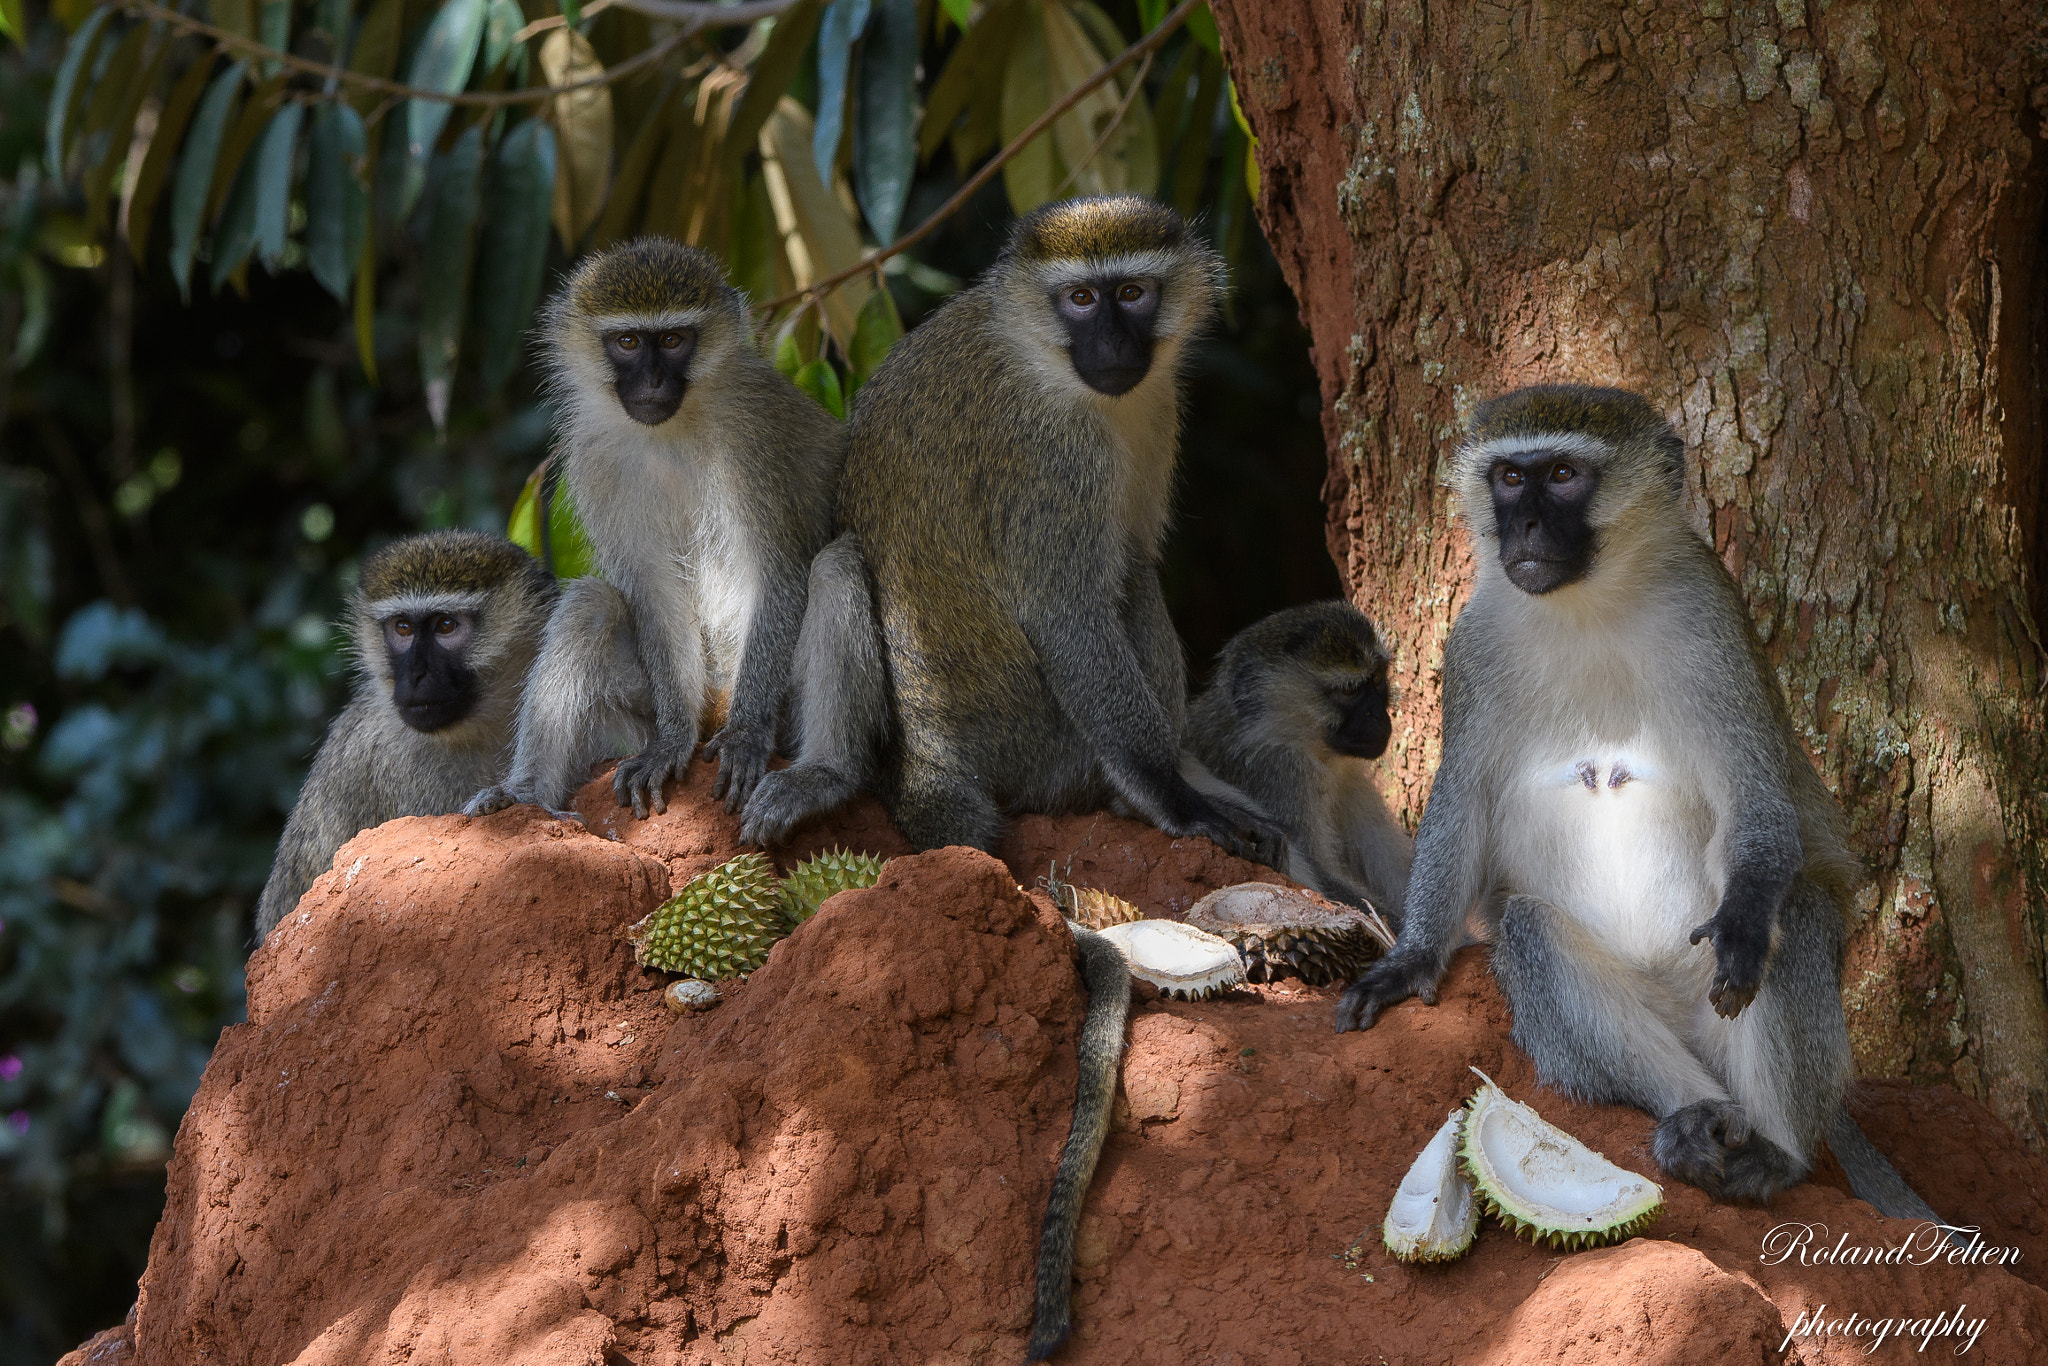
column 1617, row 837
column 665, row 517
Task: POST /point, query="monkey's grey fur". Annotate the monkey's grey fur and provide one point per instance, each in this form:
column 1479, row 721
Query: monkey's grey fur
column 703, row 522
column 1272, row 725
column 1100, row 1054
column 373, row 767
column 1009, row 512
column 1620, row 782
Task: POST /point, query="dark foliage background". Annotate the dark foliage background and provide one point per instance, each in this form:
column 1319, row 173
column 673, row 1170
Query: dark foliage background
column 185, row 493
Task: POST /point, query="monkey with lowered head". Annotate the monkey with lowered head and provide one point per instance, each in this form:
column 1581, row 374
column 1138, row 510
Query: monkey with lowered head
column 1294, row 713
column 445, row 627
column 1659, row 868
column 704, row 481
column 988, row 635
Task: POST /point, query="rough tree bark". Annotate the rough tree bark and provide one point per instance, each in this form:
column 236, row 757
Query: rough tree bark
column 1811, row 233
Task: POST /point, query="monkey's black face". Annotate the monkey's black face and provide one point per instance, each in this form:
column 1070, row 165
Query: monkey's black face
column 651, row 370
column 1540, row 503
column 1110, row 326
column 431, row 687
column 1363, row 726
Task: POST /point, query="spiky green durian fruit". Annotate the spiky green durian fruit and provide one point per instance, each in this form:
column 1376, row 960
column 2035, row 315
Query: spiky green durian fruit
column 816, row 878
column 719, row 926
column 1433, row 1217
column 1544, row 1184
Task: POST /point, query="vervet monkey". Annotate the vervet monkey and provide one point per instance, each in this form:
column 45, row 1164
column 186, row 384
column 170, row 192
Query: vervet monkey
column 704, row 480
column 1100, row 1059
column 1295, row 711
column 997, row 641
column 1660, row 870
column 445, row 627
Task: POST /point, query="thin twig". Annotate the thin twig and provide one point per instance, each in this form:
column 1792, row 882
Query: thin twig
column 1137, row 83
column 702, row 17
column 1144, row 47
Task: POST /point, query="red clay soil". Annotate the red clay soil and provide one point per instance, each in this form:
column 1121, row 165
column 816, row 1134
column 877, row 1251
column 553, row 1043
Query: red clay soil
column 459, row 1127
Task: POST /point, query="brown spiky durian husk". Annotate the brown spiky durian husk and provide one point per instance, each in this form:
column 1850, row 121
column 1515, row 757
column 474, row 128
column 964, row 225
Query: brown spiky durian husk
column 1283, row 932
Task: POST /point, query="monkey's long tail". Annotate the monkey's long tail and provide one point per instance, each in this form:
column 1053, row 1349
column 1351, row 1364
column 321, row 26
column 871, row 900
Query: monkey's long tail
column 1101, row 1050
column 1872, row 1177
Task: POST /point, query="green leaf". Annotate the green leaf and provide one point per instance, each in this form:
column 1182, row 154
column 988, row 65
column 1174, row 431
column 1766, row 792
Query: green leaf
column 758, row 264
column 813, row 222
column 959, row 11
column 195, row 170
column 12, row 25
column 274, row 28
column 966, row 101
column 451, row 231
column 821, row 382
column 65, row 89
column 163, row 145
column 515, row 245
column 1191, row 162
column 273, row 166
column 1150, row 12
column 583, row 134
column 502, row 22
column 1251, row 142
column 572, row 11
column 845, row 21
column 629, row 190
column 331, row 19
column 1029, row 176
column 1113, row 155
column 885, row 121
column 1201, row 26
column 241, row 136
column 337, row 200
column 443, row 60
column 236, row 16
column 376, row 51
column 234, row 237
column 880, row 327
column 771, row 75
column 789, row 354
column 567, row 540
column 366, row 305
column 114, row 127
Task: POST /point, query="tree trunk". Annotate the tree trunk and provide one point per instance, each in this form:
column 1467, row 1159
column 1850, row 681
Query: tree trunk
column 1809, row 232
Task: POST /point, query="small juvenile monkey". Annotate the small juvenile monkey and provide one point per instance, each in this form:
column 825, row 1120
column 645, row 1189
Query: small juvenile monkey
column 1100, row 1056
column 1661, row 872
column 446, row 626
column 1296, row 710
column 988, row 636
column 704, row 480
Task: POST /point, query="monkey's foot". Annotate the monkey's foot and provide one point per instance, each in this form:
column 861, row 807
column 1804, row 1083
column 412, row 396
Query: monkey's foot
column 1758, row 1170
column 638, row 781
column 790, row 796
column 489, row 800
column 1696, row 1144
column 1391, row 980
column 743, row 753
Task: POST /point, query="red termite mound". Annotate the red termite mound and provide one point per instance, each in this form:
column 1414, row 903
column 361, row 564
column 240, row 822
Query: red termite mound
column 460, row 1127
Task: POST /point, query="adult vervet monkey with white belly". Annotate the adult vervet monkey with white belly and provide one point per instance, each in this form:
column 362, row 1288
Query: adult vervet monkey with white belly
column 704, row 480
column 1623, row 803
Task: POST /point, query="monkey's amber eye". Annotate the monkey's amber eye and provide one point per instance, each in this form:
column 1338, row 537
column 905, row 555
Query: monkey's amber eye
column 1129, row 294
column 1512, row 477
column 444, row 626
column 402, row 627
column 1562, row 474
column 671, row 340
column 1082, row 297
column 628, row 342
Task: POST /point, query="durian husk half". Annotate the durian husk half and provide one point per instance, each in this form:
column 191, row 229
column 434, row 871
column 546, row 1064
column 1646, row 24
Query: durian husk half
column 818, row 878
column 1287, row 932
column 1088, row 906
column 1544, row 1184
column 1433, row 1217
column 719, row 926
column 1184, row 963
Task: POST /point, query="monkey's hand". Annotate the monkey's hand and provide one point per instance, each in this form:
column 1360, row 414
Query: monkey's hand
column 489, row 800
column 1240, row 830
column 638, row 781
column 1391, row 980
column 742, row 752
column 1742, row 944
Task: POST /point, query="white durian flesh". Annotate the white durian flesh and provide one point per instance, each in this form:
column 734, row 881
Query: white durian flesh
column 1544, row 1184
column 1180, row 960
column 1434, row 1217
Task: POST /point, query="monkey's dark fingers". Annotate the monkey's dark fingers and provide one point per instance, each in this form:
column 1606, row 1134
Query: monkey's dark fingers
column 1385, row 983
column 489, row 800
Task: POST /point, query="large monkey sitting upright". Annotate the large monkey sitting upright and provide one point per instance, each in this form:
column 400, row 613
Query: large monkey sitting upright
column 1660, row 870
column 988, row 635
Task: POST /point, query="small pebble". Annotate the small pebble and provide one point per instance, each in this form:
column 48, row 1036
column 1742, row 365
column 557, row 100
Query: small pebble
column 689, row 994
